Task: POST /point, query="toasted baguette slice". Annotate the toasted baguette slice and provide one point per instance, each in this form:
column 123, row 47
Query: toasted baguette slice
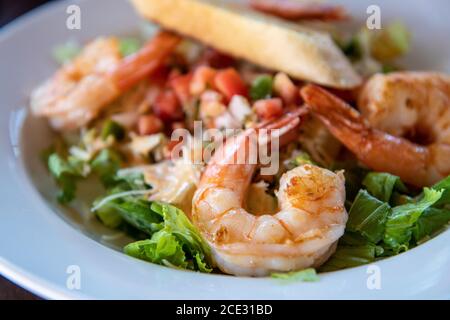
column 301, row 52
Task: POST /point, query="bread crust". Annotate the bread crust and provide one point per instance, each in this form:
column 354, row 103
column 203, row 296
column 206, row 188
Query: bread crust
column 301, row 52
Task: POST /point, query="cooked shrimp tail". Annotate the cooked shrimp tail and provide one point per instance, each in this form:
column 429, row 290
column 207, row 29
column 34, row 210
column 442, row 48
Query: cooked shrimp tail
column 302, row 234
column 376, row 149
column 80, row 90
column 139, row 65
column 286, row 125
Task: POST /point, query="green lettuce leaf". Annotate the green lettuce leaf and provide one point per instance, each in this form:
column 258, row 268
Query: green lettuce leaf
column 378, row 229
column 177, row 223
column 429, row 223
column 162, row 248
column 132, row 181
column 174, row 240
column 66, row 174
column 400, row 223
column 105, row 165
column 353, row 239
column 139, row 214
column 382, row 185
column 307, row 275
column 443, row 185
column 367, row 216
column 109, row 216
column 352, row 256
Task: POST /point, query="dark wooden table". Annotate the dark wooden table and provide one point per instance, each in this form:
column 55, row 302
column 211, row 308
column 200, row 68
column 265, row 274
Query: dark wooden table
column 9, row 291
column 9, row 10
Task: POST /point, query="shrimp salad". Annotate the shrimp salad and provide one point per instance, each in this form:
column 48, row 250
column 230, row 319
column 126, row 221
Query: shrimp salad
column 349, row 177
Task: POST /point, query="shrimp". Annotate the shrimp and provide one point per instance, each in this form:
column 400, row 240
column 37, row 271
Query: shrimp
column 303, row 232
column 79, row 91
column 394, row 106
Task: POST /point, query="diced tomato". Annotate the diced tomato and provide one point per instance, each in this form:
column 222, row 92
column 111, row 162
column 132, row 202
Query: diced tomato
column 202, row 79
column 269, row 108
column 160, row 76
column 149, row 124
column 230, row 83
column 181, row 85
column 286, row 89
column 167, row 107
column 216, row 59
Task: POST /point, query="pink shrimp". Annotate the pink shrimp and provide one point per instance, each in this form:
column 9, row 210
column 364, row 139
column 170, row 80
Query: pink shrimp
column 78, row 92
column 419, row 165
column 304, row 231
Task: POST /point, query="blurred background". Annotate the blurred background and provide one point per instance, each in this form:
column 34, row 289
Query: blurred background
column 9, row 10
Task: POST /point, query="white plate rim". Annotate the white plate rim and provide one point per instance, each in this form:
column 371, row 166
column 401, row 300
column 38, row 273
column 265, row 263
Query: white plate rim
column 46, row 288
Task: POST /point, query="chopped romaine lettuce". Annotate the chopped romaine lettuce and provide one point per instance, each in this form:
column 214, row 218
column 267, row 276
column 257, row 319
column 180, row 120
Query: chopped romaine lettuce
column 162, row 248
column 109, row 216
column 368, row 216
column 138, row 213
column 386, row 222
column 176, row 232
column 400, row 223
column 443, row 185
column 105, row 165
column 176, row 222
column 430, row 222
column 352, row 256
column 382, row 185
column 168, row 227
column 66, row 174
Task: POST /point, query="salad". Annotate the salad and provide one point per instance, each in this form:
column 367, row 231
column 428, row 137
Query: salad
column 214, row 163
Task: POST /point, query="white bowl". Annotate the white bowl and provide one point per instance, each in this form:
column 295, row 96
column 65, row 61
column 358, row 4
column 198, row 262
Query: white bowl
column 39, row 242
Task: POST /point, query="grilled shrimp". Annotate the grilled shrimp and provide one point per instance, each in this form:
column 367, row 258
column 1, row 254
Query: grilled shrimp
column 304, row 231
column 396, row 106
column 79, row 91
